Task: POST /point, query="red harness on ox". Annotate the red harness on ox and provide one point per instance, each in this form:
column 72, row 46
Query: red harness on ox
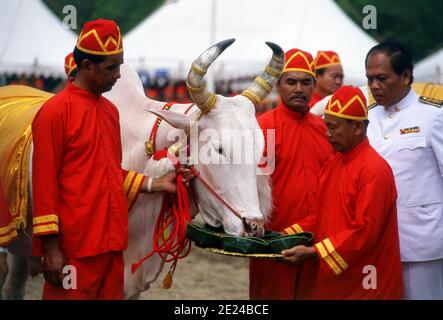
column 174, row 213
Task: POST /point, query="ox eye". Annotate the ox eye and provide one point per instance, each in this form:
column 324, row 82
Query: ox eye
column 218, row 147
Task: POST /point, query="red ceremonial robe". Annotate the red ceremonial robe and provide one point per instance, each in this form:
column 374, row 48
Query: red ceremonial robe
column 356, row 231
column 79, row 186
column 301, row 148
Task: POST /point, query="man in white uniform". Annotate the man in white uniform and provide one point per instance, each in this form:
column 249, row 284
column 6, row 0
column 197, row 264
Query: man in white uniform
column 407, row 130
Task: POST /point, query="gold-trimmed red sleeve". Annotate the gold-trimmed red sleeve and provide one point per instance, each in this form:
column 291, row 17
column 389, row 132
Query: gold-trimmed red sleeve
column 330, row 256
column 127, row 178
column 8, row 234
column 295, row 228
column 337, row 257
column 47, row 224
column 132, row 185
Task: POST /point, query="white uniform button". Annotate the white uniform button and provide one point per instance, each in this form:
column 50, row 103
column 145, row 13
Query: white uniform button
column 391, row 116
column 386, row 136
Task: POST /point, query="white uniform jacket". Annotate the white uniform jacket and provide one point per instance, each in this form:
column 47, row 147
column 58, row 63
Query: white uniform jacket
column 410, row 137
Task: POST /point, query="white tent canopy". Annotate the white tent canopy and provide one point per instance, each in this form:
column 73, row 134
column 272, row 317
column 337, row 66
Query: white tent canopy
column 32, row 38
column 430, row 69
column 174, row 35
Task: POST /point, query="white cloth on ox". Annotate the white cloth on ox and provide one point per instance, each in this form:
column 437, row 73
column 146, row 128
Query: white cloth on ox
column 423, row 280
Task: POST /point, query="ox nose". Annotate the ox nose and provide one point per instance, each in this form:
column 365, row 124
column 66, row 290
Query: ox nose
column 253, row 228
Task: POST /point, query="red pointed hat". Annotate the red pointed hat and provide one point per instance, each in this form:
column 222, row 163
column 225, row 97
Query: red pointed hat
column 299, row 60
column 70, row 65
column 100, row 37
column 326, row 59
column 348, row 102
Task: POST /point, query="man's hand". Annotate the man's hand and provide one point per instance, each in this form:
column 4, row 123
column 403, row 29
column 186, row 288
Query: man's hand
column 299, row 254
column 165, row 183
column 53, row 261
column 187, row 175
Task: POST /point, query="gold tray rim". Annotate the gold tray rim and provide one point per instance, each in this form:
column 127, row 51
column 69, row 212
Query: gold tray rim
column 246, row 255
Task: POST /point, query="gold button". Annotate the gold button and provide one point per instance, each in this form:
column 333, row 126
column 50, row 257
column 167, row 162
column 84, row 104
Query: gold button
column 386, row 136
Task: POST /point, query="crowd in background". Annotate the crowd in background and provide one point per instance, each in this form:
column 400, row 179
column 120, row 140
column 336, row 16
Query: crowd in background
column 41, row 82
column 159, row 87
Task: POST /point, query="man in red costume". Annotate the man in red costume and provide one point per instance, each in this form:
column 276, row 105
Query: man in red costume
column 328, row 75
column 301, row 148
column 80, row 210
column 131, row 195
column 356, row 254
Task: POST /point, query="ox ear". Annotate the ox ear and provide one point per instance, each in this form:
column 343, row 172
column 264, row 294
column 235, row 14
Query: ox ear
column 175, row 119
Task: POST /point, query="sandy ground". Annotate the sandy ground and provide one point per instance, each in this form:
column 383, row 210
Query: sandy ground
column 201, row 275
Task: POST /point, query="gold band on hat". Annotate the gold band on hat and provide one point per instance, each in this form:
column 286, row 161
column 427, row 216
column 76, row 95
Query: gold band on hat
column 102, row 45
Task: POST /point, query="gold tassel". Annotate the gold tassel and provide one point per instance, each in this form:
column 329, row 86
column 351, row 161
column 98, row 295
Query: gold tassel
column 149, row 148
column 167, row 280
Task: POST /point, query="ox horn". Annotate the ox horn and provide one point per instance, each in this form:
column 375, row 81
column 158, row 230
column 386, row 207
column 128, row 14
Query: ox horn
column 204, row 99
column 264, row 83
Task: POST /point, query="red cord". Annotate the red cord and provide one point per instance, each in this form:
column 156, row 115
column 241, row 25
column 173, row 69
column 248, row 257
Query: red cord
column 174, row 215
column 175, row 212
column 198, row 176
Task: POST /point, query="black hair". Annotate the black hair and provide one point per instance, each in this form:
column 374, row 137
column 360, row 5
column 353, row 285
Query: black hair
column 365, row 122
column 319, row 72
column 73, row 73
column 399, row 55
column 313, row 78
column 79, row 56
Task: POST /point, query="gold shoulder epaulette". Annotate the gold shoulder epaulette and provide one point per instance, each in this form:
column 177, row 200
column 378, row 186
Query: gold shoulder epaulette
column 432, row 101
column 372, row 106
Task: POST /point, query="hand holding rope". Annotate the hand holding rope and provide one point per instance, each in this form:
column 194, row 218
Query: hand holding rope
column 170, row 229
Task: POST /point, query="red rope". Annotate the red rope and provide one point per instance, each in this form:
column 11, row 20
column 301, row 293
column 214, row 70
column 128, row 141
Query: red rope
column 174, row 215
column 197, row 175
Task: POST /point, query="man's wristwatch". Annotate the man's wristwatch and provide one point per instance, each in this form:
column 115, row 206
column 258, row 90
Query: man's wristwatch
column 3, row 250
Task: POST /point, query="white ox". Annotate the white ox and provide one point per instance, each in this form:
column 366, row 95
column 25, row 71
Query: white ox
column 237, row 183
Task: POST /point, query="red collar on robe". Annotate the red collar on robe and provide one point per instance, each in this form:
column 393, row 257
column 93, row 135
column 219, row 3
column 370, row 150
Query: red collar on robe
column 293, row 114
column 73, row 88
column 316, row 97
column 350, row 155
